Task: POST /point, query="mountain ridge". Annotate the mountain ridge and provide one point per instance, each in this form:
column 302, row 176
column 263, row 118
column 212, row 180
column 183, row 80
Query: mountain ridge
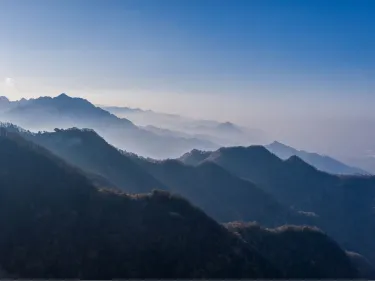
column 78, row 231
column 343, row 204
column 322, row 162
column 47, row 113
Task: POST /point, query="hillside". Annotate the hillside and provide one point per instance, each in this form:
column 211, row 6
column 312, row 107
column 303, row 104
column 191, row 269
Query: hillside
column 365, row 269
column 222, row 195
column 344, row 204
column 194, row 157
column 299, row 252
column 219, row 193
column 87, row 150
column 55, row 224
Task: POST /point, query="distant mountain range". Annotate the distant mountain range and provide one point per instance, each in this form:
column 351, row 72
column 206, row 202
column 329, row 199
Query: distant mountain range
column 79, row 192
column 222, row 184
column 223, row 133
column 321, row 162
column 56, row 224
column 46, row 113
column 366, row 162
column 229, row 134
column 343, row 204
column 208, row 186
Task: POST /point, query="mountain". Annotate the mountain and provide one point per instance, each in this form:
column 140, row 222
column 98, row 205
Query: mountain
column 47, row 113
column 321, row 162
column 343, row 204
column 228, row 127
column 365, row 269
column 4, row 103
column 366, row 162
column 195, row 139
column 56, row 224
column 294, row 250
column 87, row 150
column 224, row 134
column 194, row 157
column 222, row 195
column 219, row 193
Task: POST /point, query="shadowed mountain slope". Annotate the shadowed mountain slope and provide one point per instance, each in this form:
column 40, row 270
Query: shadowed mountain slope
column 218, row 192
column 221, row 194
column 299, row 252
column 87, row 150
column 56, row 224
column 344, row 204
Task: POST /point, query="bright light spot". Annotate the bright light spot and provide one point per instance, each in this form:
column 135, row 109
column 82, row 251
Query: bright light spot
column 9, row 82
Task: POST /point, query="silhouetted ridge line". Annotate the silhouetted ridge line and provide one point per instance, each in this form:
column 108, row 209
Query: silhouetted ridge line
column 66, row 228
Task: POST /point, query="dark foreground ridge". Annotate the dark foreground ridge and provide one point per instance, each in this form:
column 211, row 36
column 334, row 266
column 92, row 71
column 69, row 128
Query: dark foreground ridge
column 344, row 205
column 56, row 224
column 298, row 251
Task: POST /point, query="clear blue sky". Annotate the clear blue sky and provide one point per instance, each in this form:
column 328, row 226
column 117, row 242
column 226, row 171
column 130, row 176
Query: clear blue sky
column 234, row 59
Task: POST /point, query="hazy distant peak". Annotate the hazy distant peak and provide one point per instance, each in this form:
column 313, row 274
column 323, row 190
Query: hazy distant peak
column 123, row 109
column 63, row 96
column 279, row 145
column 321, row 162
column 4, row 99
column 276, row 143
column 228, row 126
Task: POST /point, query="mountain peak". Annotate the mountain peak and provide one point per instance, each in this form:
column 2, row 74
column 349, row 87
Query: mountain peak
column 4, row 99
column 228, row 126
column 281, row 150
column 298, row 162
column 277, row 143
column 194, row 157
column 280, row 145
column 63, row 96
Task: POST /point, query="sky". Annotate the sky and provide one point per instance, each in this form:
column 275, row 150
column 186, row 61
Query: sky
column 256, row 62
